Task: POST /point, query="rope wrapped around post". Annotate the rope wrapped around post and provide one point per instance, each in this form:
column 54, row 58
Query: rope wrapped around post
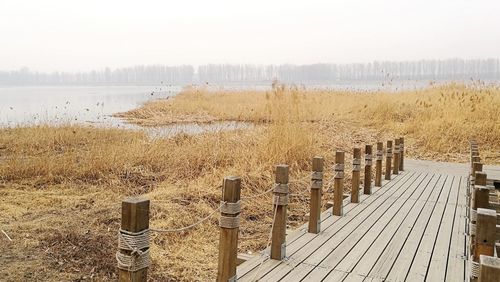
column 356, row 165
column 133, row 243
column 232, row 209
column 316, row 180
column 339, row 171
column 368, row 159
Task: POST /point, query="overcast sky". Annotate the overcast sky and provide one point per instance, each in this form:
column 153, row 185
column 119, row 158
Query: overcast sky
column 81, row 35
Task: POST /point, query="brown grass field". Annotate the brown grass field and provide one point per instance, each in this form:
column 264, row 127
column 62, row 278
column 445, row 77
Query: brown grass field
column 61, row 187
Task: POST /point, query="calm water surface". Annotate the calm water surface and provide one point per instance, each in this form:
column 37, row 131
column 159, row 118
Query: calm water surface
column 93, row 105
column 71, row 104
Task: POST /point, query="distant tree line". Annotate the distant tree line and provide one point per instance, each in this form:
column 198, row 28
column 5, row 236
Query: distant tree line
column 451, row 69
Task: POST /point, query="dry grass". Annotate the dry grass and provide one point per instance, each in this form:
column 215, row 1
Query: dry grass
column 438, row 121
column 60, row 187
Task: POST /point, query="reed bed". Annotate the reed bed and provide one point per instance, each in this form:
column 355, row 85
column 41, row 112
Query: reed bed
column 61, row 187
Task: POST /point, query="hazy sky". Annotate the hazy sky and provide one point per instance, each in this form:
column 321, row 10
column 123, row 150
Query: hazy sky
column 81, row 35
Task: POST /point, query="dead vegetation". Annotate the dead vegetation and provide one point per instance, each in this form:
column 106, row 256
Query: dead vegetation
column 61, row 187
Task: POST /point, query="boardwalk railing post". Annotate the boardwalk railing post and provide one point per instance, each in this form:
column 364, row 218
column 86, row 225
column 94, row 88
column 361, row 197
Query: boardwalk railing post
column 475, row 159
column 476, row 167
column 485, row 238
column 481, row 195
column 479, row 199
column 395, row 167
column 316, row 191
column 378, row 164
column 401, row 153
column 356, row 171
column 388, row 161
column 133, row 242
column 229, row 223
column 338, row 188
column 368, row 170
column 489, row 268
column 281, row 190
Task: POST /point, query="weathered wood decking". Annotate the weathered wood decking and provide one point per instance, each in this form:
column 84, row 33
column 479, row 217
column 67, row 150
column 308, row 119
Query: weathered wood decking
column 411, row 229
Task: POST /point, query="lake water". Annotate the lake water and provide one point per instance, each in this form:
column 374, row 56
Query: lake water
column 71, row 104
column 93, row 105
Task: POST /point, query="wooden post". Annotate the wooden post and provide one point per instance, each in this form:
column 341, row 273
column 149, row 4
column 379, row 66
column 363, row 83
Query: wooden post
column 229, row 228
column 481, row 194
column 356, row 171
column 474, row 159
column 338, row 188
column 388, row 161
column 316, row 191
column 479, row 199
column 135, row 218
column 485, row 233
column 281, row 190
column 378, row 164
column 395, row 167
column 476, row 167
column 368, row 170
column 489, row 269
column 401, row 153
column 484, row 243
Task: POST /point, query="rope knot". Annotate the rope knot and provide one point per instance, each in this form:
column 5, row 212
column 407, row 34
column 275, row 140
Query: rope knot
column 133, row 250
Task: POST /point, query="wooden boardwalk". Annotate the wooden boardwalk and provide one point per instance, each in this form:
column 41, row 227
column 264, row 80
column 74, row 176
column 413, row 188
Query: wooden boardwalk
column 411, row 229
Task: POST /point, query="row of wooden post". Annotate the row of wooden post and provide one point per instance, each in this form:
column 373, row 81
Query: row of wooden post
column 483, row 216
column 394, row 164
column 135, row 212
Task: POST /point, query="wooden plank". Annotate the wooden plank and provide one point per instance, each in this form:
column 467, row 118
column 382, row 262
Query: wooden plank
column 391, row 240
column 455, row 270
column 345, row 255
column 436, row 270
column 421, row 261
column 292, row 239
column 307, row 243
column 395, row 261
column 416, row 237
column 356, row 228
column 417, row 257
column 300, row 238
